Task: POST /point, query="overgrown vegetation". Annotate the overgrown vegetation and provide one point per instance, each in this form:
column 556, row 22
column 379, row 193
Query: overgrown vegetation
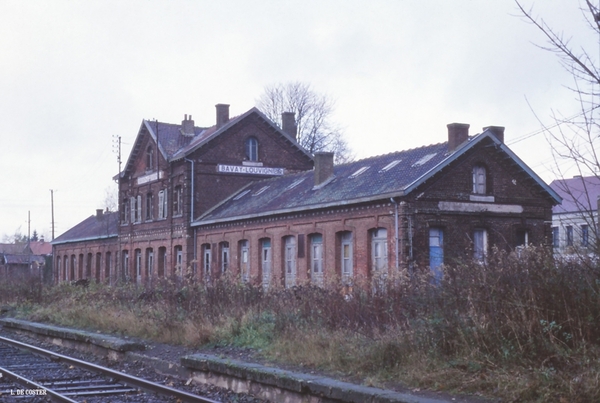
column 524, row 328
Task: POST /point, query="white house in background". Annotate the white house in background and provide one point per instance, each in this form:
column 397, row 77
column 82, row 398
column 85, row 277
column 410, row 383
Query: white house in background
column 575, row 221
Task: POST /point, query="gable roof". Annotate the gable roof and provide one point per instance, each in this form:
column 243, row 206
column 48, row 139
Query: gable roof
column 578, row 194
column 174, row 145
column 93, row 227
column 377, row 178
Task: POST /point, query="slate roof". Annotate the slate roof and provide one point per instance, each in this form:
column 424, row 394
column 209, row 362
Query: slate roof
column 415, row 166
column 174, row 145
column 12, row 248
column 91, row 228
column 22, row 259
column 578, row 194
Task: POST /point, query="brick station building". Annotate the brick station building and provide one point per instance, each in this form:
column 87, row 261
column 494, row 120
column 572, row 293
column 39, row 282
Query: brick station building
column 243, row 198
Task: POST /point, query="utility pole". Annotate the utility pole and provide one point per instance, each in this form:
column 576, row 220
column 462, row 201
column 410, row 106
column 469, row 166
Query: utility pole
column 29, row 238
column 52, row 210
column 118, row 268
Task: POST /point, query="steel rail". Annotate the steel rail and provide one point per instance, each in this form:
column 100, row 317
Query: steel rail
column 125, row 378
column 54, row 396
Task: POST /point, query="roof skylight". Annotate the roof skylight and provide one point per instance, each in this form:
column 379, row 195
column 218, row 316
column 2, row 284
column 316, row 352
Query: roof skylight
column 241, row 194
column 261, row 190
column 360, row 171
column 390, row 166
column 295, row 183
column 424, row 159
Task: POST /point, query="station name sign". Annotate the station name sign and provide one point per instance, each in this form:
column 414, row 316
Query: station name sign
column 150, row 177
column 240, row 169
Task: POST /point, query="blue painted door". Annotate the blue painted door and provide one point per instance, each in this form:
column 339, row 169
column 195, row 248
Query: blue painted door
column 436, row 253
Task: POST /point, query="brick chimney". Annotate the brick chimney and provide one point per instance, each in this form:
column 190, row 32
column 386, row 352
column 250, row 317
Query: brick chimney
column 497, row 131
column 187, row 126
column 222, row 114
column 288, row 124
column 99, row 213
column 323, row 167
column 458, row 133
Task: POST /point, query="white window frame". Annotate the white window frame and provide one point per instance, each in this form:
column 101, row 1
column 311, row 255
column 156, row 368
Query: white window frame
column 379, row 250
column 224, row 246
column 290, row 260
column 316, row 258
column 480, row 244
column 179, row 260
column 138, row 265
column 136, row 209
column 266, row 260
column 252, row 149
column 149, row 206
column 125, row 258
column 149, row 158
column 162, row 204
column 206, row 260
column 479, row 180
column 177, row 201
column 150, row 262
column 346, row 252
column 245, row 260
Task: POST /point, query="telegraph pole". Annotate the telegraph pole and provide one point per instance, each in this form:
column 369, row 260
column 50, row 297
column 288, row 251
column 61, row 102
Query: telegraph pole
column 118, row 265
column 52, row 210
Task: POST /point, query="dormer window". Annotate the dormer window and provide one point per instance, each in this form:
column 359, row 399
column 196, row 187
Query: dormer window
column 479, row 180
column 149, row 158
column 251, row 149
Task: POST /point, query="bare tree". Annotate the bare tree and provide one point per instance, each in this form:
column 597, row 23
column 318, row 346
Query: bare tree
column 316, row 131
column 575, row 139
column 16, row 238
column 111, row 198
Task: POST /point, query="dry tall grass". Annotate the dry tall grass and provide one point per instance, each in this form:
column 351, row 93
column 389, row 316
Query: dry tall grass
column 524, row 328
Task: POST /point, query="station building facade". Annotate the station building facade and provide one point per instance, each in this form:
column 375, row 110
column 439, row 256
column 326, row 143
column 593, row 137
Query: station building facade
column 243, row 199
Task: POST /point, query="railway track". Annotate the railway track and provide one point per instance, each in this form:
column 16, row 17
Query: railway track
column 32, row 374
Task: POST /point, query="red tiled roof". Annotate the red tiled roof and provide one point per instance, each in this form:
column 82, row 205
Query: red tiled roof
column 40, row 247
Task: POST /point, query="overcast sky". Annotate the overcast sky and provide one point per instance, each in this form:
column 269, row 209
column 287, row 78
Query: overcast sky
column 74, row 74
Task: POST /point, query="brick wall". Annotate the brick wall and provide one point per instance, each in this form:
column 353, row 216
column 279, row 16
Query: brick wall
column 168, row 235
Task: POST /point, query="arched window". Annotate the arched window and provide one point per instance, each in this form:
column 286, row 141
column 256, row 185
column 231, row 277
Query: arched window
column 244, row 248
column 224, row 248
column 178, row 252
column 316, row 258
column 479, row 180
column 379, row 251
column 206, row 261
column 58, row 262
column 149, row 158
column 289, row 261
column 265, row 259
column 251, row 149
column 138, row 265
column 346, row 254
column 149, row 263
